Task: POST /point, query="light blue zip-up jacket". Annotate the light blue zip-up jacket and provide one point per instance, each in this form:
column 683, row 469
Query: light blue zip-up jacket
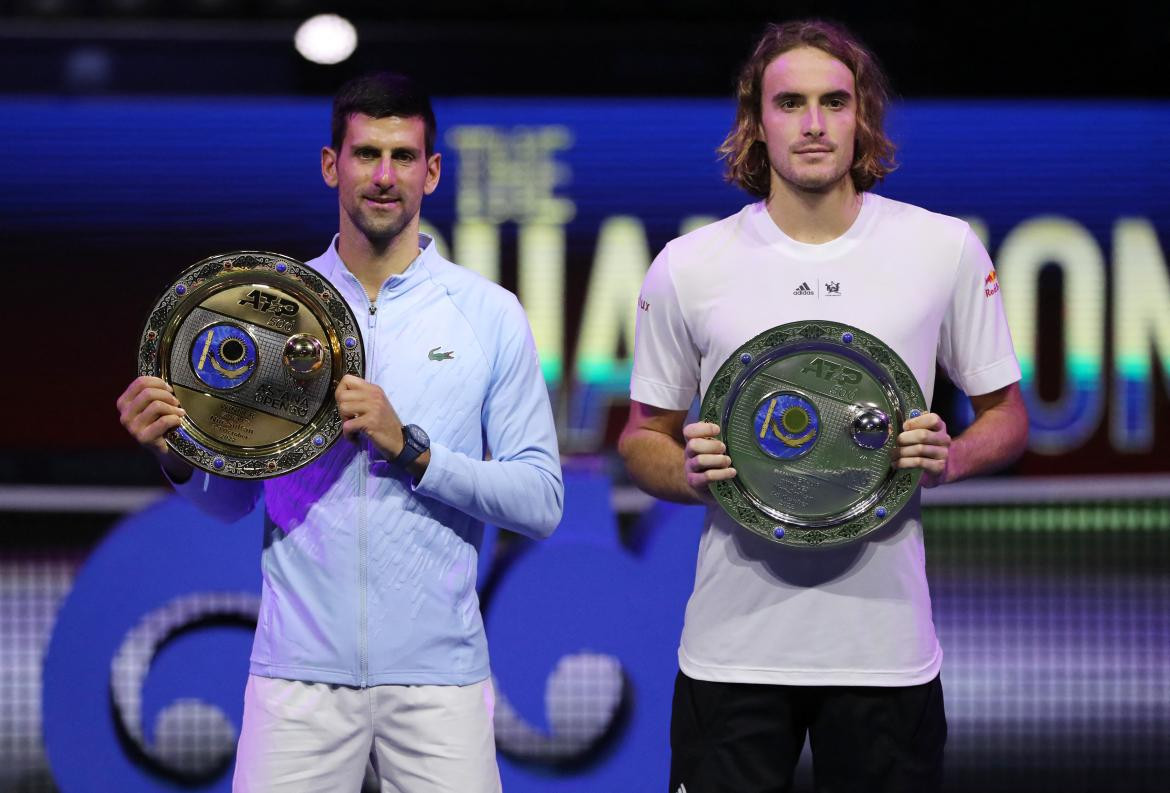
column 369, row 578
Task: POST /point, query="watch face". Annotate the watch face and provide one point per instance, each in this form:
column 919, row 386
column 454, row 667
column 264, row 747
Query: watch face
column 417, row 438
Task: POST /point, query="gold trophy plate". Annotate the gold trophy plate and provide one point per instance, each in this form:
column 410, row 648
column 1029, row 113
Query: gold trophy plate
column 253, row 344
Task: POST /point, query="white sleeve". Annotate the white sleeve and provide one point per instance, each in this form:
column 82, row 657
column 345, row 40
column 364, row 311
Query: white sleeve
column 666, row 361
column 975, row 345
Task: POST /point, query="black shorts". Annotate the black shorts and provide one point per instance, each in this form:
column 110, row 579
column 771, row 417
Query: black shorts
column 747, row 738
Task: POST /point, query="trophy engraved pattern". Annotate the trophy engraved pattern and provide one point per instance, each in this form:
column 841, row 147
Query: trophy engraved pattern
column 810, row 413
column 253, row 343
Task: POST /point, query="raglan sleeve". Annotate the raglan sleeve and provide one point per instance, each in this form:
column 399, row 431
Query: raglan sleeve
column 975, row 344
column 521, row 487
column 666, row 368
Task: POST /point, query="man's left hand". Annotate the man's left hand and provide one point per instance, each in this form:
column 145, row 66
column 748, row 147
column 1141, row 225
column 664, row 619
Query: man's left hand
column 367, row 412
column 924, row 443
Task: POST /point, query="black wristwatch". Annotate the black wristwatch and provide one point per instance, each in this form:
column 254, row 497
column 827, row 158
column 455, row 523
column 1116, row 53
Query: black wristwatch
column 415, row 441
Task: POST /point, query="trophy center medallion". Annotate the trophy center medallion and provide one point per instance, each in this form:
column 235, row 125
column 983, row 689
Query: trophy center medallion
column 223, row 356
column 786, row 426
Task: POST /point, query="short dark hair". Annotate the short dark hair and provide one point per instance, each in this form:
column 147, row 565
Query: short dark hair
column 378, row 95
column 746, row 156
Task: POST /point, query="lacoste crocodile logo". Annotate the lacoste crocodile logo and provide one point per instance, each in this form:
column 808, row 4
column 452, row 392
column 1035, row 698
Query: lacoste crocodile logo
column 435, row 355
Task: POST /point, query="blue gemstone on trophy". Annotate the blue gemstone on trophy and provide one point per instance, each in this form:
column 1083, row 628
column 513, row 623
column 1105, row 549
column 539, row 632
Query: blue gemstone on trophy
column 746, row 358
column 223, row 356
column 181, row 290
column 915, row 413
column 847, row 337
column 778, row 532
column 318, row 441
column 786, row 425
column 217, row 463
column 281, row 267
column 880, row 512
column 350, row 342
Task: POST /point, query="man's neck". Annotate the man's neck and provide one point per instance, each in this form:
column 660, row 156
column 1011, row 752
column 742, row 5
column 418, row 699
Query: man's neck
column 813, row 217
column 373, row 261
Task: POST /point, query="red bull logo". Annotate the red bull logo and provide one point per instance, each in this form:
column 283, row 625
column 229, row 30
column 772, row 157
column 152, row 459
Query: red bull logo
column 990, row 284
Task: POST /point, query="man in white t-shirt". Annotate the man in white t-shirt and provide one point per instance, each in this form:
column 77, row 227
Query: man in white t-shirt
column 781, row 642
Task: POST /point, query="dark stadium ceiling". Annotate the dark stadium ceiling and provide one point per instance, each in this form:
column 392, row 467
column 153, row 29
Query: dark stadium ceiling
column 605, row 47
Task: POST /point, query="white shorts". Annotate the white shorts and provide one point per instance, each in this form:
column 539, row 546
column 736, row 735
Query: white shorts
column 299, row 737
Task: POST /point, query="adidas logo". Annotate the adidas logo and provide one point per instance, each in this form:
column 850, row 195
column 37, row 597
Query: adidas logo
column 803, row 289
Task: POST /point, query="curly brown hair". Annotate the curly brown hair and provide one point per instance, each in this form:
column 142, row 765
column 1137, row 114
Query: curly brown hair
column 746, row 155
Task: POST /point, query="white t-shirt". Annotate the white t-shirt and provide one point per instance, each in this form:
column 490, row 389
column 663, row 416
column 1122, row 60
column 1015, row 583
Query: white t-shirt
column 922, row 283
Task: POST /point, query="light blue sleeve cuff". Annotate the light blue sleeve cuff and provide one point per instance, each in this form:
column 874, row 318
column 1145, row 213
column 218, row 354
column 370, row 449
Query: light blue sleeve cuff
column 222, row 498
column 439, row 481
column 516, row 494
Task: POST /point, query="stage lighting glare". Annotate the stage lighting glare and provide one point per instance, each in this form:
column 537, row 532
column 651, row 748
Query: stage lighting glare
column 326, row 39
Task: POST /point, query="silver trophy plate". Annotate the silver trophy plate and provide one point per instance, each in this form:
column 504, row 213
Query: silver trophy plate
column 810, row 413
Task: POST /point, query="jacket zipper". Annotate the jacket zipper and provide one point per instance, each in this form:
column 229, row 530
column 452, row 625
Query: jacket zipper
column 363, row 520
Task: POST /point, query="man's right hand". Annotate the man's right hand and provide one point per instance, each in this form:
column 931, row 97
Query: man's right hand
column 657, row 448
column 149, row 409
column 705, row 458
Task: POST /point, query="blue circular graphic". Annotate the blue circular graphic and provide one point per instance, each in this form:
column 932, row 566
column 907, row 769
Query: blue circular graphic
column 131, row 702
column 223, row 356
column 786, row 426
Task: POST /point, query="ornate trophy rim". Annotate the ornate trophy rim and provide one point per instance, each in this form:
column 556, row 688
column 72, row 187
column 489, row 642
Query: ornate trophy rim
column 344, row 345
column 901, row 387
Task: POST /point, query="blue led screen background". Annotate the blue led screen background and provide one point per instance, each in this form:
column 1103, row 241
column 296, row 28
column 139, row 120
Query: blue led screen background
column 1049, row 592
column 566, row 202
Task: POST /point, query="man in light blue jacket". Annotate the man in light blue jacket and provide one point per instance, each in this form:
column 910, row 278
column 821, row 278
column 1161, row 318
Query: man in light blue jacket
column 370, row 642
